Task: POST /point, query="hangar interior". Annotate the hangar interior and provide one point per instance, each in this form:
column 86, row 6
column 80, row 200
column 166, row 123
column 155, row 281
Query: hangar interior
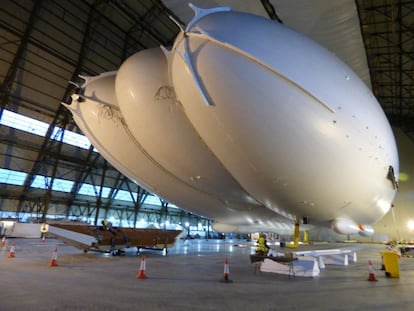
column 48, row 168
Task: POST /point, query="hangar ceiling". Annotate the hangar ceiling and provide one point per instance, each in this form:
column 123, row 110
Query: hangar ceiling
column 44, row 44
column 388, row 32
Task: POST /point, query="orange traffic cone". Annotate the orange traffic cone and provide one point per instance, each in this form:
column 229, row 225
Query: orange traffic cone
column 226, row 274
column 371, row 276
column 12, row 251
column 3, row 241
column 141, row 273
column 53, row 261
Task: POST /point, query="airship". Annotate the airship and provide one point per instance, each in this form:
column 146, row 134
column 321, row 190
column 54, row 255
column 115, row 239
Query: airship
column 248, row 123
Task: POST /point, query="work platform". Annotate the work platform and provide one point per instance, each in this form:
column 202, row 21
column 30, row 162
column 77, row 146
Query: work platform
column 189, row 278
column 305, row 263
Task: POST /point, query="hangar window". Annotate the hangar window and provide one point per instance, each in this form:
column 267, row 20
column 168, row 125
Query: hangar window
column 152, row 200
column 155, row 200
column 126, row 196
column 42, row 182
column 88, row 189
column 23, row 123
column 12, row 177
column 72, row 138
column 33, row 126
column 62, row 185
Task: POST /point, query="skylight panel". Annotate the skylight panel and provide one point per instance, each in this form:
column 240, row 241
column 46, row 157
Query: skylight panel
column 153, row 200
column 23, row 123
column 62, row 185
column 72, row 138
column 40, row 128
column 88, row 189
column 40, row 182
column 125, row 196
column 12, row 177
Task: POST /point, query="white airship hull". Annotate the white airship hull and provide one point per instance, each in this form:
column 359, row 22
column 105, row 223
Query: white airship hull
column 157, row 121
column 294, row 128
column 96, row 112
column 250, row 124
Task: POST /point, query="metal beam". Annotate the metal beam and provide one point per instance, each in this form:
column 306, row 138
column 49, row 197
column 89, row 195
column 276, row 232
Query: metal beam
column 6, row 86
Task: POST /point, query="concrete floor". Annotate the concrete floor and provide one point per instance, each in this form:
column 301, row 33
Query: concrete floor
column 189, row 279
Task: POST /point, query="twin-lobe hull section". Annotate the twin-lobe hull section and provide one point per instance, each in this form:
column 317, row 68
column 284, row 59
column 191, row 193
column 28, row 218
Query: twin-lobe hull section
column 291, row 122
column 97, row 114
column 156, row 120
column 249, row 123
